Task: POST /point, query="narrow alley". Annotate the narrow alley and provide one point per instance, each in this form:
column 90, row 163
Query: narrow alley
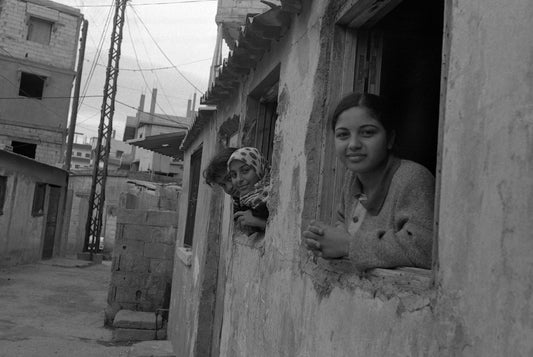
column 55, row 308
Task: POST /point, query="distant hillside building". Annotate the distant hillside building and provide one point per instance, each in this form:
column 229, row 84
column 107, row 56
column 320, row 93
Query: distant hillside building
column 38, row 48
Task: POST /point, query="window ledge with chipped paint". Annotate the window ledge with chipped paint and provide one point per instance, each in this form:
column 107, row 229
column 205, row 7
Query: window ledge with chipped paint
column 185, row 255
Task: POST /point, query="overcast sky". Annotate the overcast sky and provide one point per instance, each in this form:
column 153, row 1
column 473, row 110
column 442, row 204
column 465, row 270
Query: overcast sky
column 186, row 33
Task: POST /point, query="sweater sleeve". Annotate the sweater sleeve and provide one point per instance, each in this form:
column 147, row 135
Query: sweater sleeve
column 409, row 242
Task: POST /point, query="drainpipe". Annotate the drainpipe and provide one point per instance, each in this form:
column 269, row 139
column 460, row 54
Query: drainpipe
column 76, row 99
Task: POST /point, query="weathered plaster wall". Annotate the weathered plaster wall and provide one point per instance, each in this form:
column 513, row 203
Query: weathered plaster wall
column 194, row 285
column 21, row 234
column 277, row 302
column 485, row 245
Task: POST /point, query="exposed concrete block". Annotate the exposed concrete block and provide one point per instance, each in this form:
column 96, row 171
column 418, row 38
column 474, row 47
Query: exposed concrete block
column 131, row 247
column 133, row 263
column 124, row 334
column 131, row 216
column 137, row 232
column 137, row 320
column 161, row 267
column 152, row 349
column 165, row 235
column 162, row 218
column 158, row 251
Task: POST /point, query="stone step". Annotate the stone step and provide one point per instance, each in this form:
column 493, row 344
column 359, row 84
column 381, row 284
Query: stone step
column 128, row 319
column 131, row 334
column 152, row 349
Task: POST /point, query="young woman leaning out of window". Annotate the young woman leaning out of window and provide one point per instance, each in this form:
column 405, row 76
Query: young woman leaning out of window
column 385, row 217
column 249, row 174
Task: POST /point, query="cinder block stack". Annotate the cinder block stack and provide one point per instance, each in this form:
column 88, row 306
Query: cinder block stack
column 143, row 258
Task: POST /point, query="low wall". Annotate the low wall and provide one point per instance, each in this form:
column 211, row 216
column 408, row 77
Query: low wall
column 141, row 272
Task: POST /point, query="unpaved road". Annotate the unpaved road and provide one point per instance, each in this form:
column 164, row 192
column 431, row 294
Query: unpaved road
column 55, row 308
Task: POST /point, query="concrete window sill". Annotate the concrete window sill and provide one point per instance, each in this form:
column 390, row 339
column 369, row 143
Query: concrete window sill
column 185, row 255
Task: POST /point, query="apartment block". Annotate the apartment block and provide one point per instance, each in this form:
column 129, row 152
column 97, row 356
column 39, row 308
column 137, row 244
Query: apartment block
column 38, row 49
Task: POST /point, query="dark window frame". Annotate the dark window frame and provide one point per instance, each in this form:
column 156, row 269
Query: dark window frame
column 31, row 85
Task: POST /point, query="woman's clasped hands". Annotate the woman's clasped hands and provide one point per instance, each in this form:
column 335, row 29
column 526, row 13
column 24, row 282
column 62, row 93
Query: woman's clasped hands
column 326, row 241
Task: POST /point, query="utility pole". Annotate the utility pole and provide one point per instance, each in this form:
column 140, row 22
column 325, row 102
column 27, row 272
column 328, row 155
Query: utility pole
column 93, row 227
column 76, row 100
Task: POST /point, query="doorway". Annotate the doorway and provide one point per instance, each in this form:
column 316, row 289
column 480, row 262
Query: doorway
column 51, row 221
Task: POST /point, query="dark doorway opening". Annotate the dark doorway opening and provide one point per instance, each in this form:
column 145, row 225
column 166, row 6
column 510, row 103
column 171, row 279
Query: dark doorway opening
column 51, row 221
column 411, row 73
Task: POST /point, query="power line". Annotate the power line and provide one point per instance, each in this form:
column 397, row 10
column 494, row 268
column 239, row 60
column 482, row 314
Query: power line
column 154, row 3
column 153, row 68
column 153, row 73
column 58, row 97
column 164, row 54
column 96, row 56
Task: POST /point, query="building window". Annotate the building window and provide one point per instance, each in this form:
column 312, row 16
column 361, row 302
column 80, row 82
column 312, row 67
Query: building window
column 78, row 153
column 39, row 30
column 38, row 200
column 87, row 155
column 194, row 184
column 76, row 166
column 119, row 154
column 31, row 85
column 396, row 55
column 3, row 189
column 26, row 149
column 261, row 115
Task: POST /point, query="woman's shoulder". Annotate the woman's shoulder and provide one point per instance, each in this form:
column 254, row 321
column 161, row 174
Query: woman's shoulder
column 413, row 173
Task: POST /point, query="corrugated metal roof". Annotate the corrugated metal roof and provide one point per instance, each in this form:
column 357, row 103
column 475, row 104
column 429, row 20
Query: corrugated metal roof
column 254, row 40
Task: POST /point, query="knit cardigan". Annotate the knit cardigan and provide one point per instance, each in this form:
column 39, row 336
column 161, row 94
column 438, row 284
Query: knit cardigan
column 395, row 227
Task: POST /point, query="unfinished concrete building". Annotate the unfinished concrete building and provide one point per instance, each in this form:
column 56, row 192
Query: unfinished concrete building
column 459, row 73
column 38, row 48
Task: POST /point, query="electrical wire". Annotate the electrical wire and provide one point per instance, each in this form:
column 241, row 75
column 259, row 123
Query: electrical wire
column 154, row 74
column 96, row 57
column 163, row 52
column 155, row 3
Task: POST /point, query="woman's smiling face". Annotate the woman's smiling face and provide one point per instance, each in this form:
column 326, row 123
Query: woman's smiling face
column 243, row 176
column 361, row 140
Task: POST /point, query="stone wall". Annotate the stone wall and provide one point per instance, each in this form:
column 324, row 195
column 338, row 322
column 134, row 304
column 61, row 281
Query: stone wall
column 141, row 272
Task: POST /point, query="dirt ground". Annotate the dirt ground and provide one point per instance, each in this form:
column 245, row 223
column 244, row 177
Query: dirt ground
column 55, row 308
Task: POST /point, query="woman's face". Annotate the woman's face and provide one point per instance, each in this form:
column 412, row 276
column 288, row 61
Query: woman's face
column 360, row 140
column 243, row 176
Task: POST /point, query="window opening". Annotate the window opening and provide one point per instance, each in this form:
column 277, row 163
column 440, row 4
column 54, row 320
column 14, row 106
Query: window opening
column 31, row 85
column 399, row 57
column 26, row 149
column 262, row 115
column 38, row 200
column 194, row 184
column 39, row 30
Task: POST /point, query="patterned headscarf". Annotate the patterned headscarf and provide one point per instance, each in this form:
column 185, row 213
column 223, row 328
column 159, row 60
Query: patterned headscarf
column 252, row 157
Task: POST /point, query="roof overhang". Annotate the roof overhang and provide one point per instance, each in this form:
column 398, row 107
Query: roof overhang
column 255, row 39
column 204, row 115
column 164, row 144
